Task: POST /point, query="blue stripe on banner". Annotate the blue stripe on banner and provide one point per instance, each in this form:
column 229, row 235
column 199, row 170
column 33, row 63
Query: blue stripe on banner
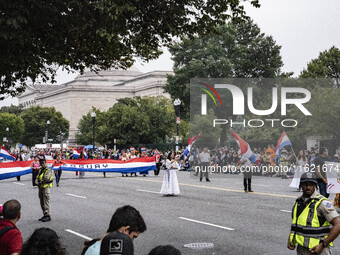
column 15, row 174
column 5, row 156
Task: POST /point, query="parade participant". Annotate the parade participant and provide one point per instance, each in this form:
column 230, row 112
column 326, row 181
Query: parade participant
column 44, row 182
column 170, row 185
column 204, row 158
column 312, row 219
column 126, row 220
column 124, row 158
column 81, row 157
column 158, row 164
column 133, row 155
column 320, row 171
column 57, row 173
column 10, row 236
column 35, row 168
column 247, row 173
column 43, row 241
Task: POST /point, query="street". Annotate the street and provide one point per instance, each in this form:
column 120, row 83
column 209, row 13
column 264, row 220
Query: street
column 218, row 213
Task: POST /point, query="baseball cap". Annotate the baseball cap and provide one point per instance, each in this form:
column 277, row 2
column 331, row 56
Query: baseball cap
column 116, row 243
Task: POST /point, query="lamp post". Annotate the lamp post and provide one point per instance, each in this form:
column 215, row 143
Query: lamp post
column 48, row 127
column 93, row 115
column 7, row 138
column 177, row 105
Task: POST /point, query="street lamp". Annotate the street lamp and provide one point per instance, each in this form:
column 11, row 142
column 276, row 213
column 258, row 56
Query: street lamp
column 7, row 131
column 177, row 105
column 48, row 127
column 93, row 115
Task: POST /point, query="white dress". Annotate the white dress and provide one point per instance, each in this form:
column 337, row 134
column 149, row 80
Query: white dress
column 170, row 182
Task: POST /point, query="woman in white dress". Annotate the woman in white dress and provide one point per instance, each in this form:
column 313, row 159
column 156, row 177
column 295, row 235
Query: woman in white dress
column 170, row 185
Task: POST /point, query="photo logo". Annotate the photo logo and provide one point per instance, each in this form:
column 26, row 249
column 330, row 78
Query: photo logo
column 204, row 96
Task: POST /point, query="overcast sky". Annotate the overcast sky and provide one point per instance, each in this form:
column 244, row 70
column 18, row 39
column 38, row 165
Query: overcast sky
column 303, row 28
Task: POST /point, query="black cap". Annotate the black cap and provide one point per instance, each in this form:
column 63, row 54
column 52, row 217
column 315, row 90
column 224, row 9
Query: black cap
column 116, row 243
column 42, row 160
column 308, row 177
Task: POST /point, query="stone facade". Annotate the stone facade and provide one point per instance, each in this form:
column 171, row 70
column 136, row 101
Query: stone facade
column 76, row 98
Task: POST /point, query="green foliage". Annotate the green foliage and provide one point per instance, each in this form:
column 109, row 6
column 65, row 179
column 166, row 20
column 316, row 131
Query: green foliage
column 35, row 119
column 15, row 124
column 38, row 36
column 13, row 109
column 327, row 65
column 239, row 50
column 133, row 121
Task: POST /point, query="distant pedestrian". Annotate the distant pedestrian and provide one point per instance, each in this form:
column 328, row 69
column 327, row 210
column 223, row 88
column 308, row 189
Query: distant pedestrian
column 170, row 185
column 247, row 173
column 204, row 158
column 58, row 172
column 43, row 241
column 35, row 165
column 10, row 236
column 44, row 182
column 321, row 171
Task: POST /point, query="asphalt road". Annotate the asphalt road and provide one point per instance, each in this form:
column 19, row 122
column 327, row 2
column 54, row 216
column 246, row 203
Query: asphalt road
column 218, row 212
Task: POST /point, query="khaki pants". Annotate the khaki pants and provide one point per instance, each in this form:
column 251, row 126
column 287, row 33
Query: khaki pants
column 305, row 251
column 44, row 196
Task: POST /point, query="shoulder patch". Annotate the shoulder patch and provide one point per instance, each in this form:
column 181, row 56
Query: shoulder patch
column 327, row 204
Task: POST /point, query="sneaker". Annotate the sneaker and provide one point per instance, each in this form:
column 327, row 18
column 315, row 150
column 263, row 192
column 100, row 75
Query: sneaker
column 57, row 184
column 43, row 217
column 207, row 180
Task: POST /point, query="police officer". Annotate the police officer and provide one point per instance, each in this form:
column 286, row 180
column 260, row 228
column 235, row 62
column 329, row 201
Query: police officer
column 44, row 182
column 315, row 223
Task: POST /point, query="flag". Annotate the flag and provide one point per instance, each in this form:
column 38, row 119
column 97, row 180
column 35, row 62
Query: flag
column 76, row 154
column 190, row 143
column 244, row 148
column 18, row 168
column 281, row 143
column 6, row 154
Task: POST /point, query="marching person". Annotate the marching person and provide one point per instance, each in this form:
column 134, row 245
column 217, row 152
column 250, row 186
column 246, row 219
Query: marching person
column 58, row 172
column 35, row 168
column 315, row 223
column 44, row 182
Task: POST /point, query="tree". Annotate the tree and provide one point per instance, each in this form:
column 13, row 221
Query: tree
column 15, row 125
column 38, row 36
column 327, row 65
column 35, row 119
column 239, row 50
column 13, row 109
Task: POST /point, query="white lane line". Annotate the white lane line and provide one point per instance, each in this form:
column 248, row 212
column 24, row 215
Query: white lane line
column 77, row 234
column 72, row 195
column 148, row 191
column 285, row 211
column 206, row 223
column 19, row 183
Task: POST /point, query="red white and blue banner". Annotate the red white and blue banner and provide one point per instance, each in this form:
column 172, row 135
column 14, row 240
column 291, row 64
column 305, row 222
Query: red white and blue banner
column 244, row 148
column 6, row 154
column 18, row 168
column 76, row 153
column 333, row 176
column 281, row 143
column 191, row 141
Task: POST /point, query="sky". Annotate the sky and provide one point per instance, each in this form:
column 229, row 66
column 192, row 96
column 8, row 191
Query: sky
column 303, row 28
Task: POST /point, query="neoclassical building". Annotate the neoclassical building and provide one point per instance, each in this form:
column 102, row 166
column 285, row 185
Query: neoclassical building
column 76, row 98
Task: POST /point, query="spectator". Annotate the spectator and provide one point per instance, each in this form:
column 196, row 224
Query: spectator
column 126, row 220
column 116, row 243
column 164, row 250
column 10, row 236
column 43, row 241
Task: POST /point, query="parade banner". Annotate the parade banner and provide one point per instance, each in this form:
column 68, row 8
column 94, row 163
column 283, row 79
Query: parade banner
column 6, row 154
column 18, row 168
column 333, row 177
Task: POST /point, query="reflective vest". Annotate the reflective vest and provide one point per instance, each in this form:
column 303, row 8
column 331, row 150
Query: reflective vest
column 283, row 161
column 42, row 172
column 308, row 229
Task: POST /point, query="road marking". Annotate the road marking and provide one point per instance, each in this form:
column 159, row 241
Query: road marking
column 285, row 211
column 77, row 234
column 19, row 183
column 72, row 195
column 216, row 188
column 206, row 223
column 148, row 191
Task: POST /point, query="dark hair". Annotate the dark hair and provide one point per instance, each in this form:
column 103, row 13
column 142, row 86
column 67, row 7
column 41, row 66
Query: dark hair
column 43, row 241
column 169, row 155
column 164, row 250
column 11, row 209
column 127, row 216
column 322, row 149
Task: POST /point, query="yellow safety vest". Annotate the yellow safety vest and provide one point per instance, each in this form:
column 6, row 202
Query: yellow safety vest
column 308, row 229
column 41, row 175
